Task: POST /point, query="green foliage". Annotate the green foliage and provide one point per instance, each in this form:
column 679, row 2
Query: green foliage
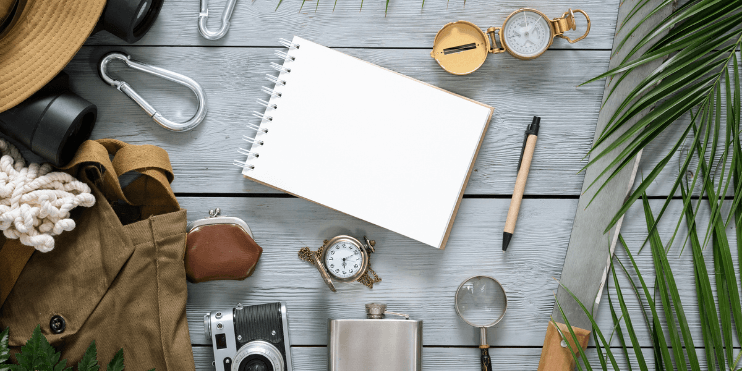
column 669, row 317
column 89, row 361
column 117, row 363
column 698, row 52
column 4, row 349
column 39, row 355
column 696, row 92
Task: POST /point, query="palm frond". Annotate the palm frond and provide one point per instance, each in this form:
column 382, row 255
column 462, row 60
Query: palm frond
column 680, row 352
column 694, row 90
column 691, row 78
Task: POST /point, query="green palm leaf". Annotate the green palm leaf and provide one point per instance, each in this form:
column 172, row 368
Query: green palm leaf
column 697, row 45
column 685, row 81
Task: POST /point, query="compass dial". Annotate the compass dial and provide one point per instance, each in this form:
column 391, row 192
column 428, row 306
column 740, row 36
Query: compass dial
column 527, row 34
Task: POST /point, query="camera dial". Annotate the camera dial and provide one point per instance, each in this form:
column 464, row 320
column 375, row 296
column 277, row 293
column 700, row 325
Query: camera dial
column 258, row 356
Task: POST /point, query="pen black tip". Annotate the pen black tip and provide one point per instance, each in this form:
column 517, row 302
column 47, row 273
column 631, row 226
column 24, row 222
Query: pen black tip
column 506, row 240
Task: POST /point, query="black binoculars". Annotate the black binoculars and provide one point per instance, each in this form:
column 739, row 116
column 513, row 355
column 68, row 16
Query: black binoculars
column 129, row 20
column 54, row 121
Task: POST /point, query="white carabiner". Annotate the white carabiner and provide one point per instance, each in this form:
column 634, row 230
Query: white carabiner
column 203, row 15
column 159, row 72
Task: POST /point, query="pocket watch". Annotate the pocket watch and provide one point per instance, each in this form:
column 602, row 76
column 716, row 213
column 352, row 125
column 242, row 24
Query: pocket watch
column 461, row 47
column 344, row 259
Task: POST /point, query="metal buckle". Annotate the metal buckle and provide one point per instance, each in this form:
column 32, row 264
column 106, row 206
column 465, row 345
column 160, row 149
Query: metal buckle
column 214, row 218
column 569, row 17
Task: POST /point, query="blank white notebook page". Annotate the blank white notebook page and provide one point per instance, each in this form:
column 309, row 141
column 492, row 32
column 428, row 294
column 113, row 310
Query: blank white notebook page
column 368, row 142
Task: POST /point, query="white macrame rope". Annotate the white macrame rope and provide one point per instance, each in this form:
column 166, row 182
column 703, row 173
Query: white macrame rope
column 35, row 203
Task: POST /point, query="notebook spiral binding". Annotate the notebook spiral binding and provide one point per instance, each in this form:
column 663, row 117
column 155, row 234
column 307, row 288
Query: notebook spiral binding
column 265, row 117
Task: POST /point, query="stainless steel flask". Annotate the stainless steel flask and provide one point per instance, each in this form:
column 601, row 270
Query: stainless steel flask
column 376, row 343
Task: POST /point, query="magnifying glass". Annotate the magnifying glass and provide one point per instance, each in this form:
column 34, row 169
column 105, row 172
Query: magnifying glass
column 481, row 302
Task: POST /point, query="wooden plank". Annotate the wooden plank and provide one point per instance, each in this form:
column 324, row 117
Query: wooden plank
column 446, row 359
column 420, row 280
column 232, row 82
column 232, row 78
column 407, row 25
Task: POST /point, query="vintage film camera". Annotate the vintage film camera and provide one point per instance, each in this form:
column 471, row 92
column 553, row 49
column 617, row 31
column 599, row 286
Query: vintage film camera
column 250, row 338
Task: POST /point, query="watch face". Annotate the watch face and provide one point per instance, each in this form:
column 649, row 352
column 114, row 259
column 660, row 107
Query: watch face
column 344, row 259
column 527, row 34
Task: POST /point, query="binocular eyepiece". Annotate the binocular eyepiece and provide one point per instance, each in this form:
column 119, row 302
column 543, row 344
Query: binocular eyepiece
column 129, row 20
column 52, row 123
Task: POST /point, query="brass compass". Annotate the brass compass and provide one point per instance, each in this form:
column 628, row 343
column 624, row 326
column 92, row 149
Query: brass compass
column 462, row 47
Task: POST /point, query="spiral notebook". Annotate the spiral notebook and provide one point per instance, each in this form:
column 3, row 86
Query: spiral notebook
column 366, row 141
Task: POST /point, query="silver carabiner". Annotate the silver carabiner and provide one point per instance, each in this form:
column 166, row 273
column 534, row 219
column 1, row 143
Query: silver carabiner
column 203, row 15
column 159, row 72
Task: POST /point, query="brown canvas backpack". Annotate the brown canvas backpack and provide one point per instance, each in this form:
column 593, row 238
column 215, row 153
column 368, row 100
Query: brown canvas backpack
column 122, row 285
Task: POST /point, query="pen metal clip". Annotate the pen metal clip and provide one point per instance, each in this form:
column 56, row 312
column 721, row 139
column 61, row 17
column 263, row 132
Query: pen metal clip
column 532, row 129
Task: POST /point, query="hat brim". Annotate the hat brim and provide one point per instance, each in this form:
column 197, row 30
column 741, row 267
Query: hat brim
column 41, row 44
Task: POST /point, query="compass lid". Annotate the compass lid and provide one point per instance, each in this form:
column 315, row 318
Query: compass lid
column 460, row 47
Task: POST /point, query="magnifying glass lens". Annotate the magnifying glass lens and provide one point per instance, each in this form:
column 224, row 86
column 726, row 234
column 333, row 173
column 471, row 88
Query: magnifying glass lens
column 481, row 301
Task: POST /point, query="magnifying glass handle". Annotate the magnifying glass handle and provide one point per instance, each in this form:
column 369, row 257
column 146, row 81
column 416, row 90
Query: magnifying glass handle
column 486, row 361
column 485, row 349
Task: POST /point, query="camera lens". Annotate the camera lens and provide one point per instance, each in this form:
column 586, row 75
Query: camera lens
column 256, row 362
column 259, row 355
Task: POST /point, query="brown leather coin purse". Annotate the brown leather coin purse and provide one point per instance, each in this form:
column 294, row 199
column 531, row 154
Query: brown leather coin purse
column 220, row 248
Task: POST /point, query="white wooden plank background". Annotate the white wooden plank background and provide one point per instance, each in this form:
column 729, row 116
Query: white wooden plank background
column 445, row 359
column 418, row 280
column 232, row 78
column 405, row 26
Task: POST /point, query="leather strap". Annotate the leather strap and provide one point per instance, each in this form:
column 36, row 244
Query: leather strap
column 151, row 191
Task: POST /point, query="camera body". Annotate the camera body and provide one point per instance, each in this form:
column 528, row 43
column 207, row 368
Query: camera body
column 250, row 338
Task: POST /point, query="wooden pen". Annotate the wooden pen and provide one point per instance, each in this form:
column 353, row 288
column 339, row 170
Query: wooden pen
column 524, row 165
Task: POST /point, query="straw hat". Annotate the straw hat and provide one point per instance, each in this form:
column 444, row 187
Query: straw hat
column 39, row 38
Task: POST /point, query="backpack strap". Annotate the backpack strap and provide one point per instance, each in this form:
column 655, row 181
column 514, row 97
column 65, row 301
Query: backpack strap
column 151, row 191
